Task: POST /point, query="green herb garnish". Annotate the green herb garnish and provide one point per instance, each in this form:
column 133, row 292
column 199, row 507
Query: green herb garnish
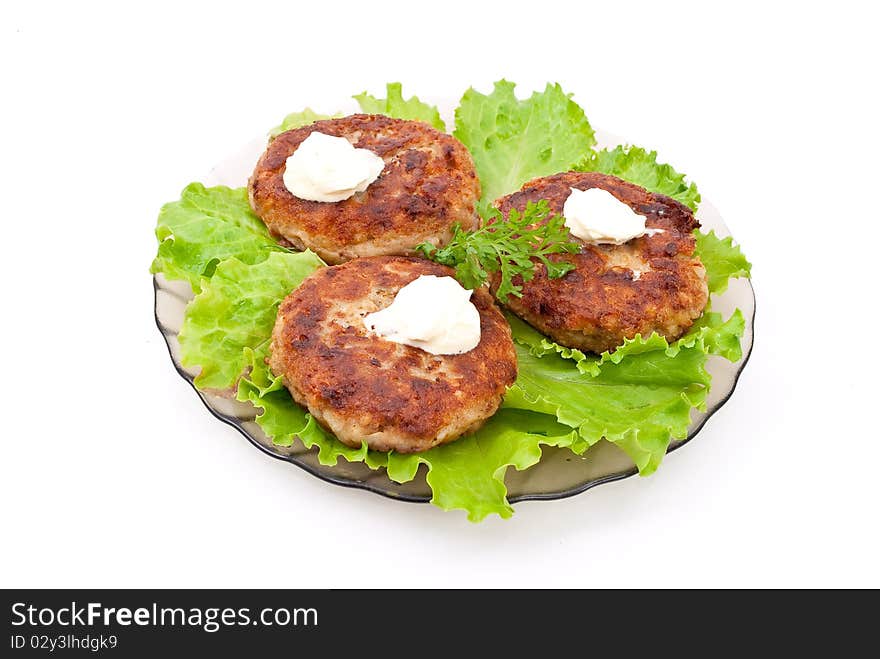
column 512, row 247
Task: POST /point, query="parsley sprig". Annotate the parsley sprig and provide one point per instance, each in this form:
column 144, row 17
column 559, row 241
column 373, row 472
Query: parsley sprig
column 510, row 246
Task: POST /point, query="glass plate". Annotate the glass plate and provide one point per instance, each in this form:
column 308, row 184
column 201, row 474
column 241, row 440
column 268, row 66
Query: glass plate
column 560, row 473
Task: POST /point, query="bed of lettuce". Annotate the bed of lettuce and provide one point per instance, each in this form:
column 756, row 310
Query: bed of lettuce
column 640, row 397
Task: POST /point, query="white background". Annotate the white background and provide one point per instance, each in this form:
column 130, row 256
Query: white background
column 112, row 472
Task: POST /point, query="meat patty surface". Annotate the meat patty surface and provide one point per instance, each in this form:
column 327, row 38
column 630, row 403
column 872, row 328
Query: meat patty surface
column 429, row 184
column 652, row 283
column 363, row 387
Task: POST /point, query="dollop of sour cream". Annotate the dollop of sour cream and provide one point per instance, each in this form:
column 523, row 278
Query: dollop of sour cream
column 432, row 313
column 597, row 216
column 327, row 168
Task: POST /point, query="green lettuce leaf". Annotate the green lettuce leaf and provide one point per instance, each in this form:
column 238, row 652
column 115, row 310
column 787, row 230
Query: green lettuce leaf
column 723, row 260
column 297, row 119
column 204, row 227
column 467, row 474
column 235, row 312
column 635, row 164
column 514, row 141
column 226, row 333
column 638, row 397
column 284, row 421
column 399, row 108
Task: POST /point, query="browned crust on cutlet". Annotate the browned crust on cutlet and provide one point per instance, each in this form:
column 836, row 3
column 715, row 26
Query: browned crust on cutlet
column 599, row 304
column 429, row 184
column 360, row 386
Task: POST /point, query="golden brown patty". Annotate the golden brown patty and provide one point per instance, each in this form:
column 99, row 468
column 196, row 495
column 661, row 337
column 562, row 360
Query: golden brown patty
column 362, row 387
column 603, row 301
column 429, row 183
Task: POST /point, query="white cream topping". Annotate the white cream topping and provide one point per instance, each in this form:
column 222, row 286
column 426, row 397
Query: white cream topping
column 597, row 216
column 327, row 168
column 432, row 313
